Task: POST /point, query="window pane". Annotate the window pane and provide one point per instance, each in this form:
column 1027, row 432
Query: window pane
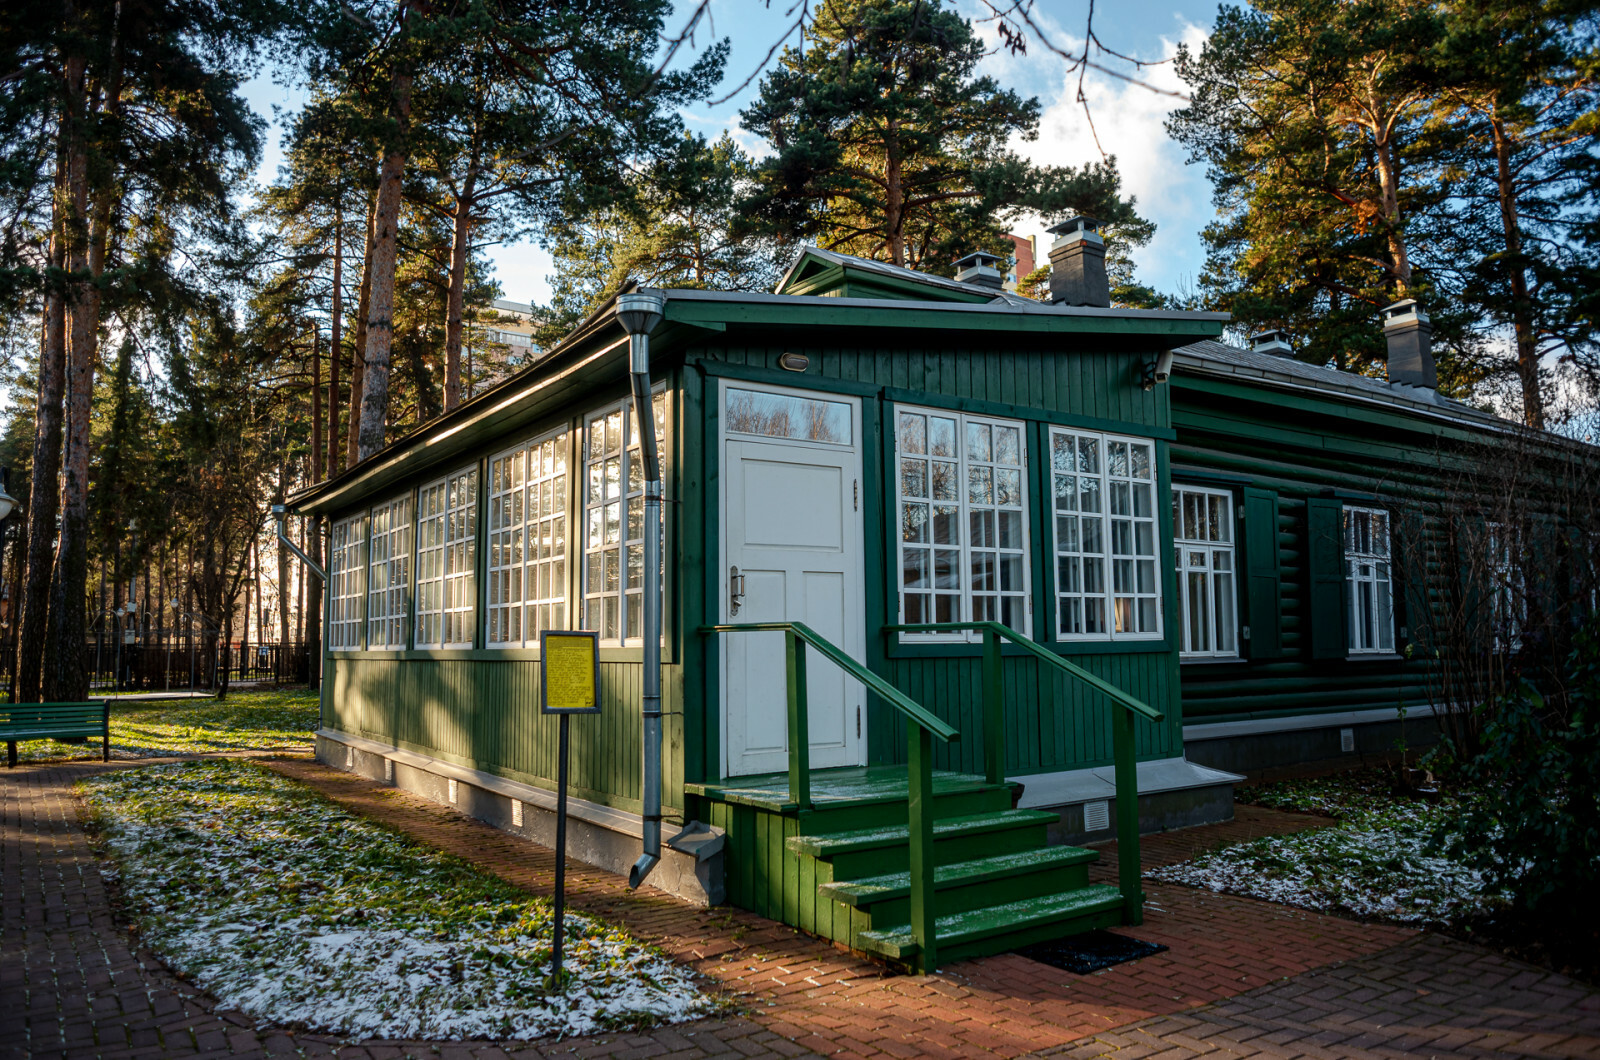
column 788, row 416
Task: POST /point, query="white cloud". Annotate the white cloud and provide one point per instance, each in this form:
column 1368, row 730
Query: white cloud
column 1128, row 119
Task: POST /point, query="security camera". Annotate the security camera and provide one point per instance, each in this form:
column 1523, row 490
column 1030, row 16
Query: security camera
column 1164, row 366
column 1158, row 370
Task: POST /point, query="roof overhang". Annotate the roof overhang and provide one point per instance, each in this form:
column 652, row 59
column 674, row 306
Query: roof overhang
column 598, row 347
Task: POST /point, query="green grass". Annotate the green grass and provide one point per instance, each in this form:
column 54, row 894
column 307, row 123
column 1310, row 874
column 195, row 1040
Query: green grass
column 283, row 905
column 268, row 719
column 1374, row 863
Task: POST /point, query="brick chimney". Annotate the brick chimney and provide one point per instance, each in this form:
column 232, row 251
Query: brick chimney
column 1078, row 264
column 1410, row 336
column 979, row 268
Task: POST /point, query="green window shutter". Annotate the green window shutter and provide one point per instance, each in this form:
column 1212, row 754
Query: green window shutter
column 1262, row 573
column 1326, row 610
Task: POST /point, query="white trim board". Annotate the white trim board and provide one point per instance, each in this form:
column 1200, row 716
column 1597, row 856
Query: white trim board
column 1074, row 786
column 1200, row 731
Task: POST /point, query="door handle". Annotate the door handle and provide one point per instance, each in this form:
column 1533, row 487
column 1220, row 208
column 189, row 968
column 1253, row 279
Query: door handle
column 735, row 590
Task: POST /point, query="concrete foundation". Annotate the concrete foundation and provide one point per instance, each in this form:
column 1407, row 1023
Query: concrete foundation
column 1173, row 793
column 597, row 835
column 1264, row 747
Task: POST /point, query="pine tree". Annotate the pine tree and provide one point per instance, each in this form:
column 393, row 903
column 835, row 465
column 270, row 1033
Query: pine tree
column 888, row 146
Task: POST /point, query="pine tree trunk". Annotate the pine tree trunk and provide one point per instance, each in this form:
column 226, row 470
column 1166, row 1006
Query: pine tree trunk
column 460, row 251
column 283, row 583
column 65, row 676
column 385, row 250
column 358, row 352
column 1521, row 300
column 894, row 199
column 44, row 494
column 335, row 344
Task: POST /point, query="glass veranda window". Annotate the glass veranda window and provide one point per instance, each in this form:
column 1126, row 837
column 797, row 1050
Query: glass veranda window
column 1367, row 573
column 347, row 570
column 1107, row 583
column 447, row 523
column 613, row 570
column 963, row 519
column 1203, row 546
column 389, row 574
column 527, row 580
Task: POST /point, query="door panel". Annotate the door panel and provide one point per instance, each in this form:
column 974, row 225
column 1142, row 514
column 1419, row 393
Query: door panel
column 792, row 528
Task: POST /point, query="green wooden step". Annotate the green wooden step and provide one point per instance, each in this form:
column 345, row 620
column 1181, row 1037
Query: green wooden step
column 1015, row 923
column 895, row 885
column 834, row 844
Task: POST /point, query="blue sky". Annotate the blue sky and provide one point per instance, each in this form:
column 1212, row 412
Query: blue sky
column 1127, row 117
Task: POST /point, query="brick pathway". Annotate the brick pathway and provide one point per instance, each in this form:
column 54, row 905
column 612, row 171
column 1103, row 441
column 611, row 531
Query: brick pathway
column 1242, row 977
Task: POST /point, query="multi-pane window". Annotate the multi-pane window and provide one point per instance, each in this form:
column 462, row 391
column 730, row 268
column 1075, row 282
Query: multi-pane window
column 1508, row 601
column 1107, row 584
column 1203, row 543
column 1367, row 573
column 389, row 574
column 613, row 512
column 447, row 524
column 527, row 590
column 963, row 519
column 347, row 565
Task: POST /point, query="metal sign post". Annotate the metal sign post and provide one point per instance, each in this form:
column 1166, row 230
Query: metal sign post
column 569, row 683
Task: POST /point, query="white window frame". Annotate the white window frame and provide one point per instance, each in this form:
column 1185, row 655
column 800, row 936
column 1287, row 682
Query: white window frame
column 347, row 568
column 525, row 590
column 1369, row 580
column 388, row 574
column 1069, row 514
column 1214, row 560
column 616, row 546
column 918, row 543
column 446, row 564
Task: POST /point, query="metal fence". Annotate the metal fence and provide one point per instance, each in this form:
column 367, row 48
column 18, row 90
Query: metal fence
column 158, row 660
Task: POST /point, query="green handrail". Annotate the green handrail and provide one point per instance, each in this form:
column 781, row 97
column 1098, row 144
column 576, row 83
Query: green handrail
column 1123, row 751
column 921, row 727
column 891, row 695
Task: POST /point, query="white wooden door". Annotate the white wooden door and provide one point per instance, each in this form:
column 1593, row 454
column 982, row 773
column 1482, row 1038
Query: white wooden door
column 792, row 527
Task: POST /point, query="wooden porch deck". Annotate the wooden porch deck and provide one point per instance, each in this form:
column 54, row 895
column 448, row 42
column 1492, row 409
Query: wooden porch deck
column 833, row 788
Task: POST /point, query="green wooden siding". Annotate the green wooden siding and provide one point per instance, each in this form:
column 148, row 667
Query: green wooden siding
column 1313, row 455
column 484, row 714
column 1054, row 727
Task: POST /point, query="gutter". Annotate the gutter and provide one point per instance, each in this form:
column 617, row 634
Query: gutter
column 640, row 314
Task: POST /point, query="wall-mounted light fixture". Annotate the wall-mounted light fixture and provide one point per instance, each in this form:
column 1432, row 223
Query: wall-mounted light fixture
column 794, row 362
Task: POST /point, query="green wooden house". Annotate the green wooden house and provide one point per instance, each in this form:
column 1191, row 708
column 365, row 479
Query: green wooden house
column 924, row 619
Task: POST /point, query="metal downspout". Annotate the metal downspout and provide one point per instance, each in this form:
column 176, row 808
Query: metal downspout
column 280, row 514
column 639, row 314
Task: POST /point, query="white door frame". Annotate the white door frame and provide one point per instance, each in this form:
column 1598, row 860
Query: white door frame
column 854, row 547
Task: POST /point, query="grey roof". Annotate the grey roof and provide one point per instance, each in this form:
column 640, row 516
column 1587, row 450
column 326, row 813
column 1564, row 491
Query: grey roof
column 1218, row 358
column 899, row 272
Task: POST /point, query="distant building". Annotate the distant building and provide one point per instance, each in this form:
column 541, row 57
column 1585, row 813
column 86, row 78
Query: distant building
column 510, row 324
column 1023, row 260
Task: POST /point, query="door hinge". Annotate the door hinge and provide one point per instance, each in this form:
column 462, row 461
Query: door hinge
column 858, row 723
column 855, row 495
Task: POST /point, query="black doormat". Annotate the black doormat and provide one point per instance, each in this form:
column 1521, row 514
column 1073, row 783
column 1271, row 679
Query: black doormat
column 1090, row 951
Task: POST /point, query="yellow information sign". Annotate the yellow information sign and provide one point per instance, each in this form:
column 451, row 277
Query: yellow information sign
column 569, row 667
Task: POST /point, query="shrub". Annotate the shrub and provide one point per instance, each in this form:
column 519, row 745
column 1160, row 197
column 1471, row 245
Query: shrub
column 1532, row 827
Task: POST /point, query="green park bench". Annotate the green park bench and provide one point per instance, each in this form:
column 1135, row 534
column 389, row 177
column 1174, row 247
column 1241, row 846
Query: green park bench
column 61, row 721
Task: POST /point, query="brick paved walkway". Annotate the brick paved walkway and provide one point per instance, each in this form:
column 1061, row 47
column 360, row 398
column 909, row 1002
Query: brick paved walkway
column 1242, row 977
